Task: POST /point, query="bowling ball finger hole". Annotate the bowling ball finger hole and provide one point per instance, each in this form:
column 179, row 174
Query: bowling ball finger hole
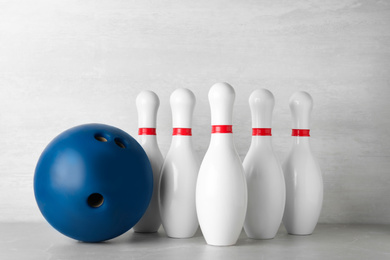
column 120, row 143
column 95, row 200
column 100, row 138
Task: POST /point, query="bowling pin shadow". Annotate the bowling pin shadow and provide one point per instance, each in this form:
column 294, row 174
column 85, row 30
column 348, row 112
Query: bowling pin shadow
column 135, row 237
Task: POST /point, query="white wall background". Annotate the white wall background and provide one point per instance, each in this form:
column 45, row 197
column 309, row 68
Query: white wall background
column 65, row 63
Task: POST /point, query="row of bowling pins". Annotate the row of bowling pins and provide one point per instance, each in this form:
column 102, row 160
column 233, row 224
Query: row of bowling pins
column 222, row 194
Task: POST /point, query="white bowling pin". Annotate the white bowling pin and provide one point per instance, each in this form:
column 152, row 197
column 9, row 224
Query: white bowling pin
column 180, row 171
column 304, row 186
column 264, row 175
column 221, row 191
column 147, row 106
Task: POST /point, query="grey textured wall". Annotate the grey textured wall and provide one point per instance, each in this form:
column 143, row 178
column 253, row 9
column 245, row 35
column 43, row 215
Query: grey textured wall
column 64, row 63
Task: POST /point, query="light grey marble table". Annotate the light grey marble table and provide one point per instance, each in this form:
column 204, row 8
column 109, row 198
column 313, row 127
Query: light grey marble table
column 40, row 241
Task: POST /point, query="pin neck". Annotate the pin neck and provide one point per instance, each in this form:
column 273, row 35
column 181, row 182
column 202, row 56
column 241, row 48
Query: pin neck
column 221, row 129
column 146, row 131
column 263, row 142
column 183, row 141
column 182, row 131
column 301, row 142
column 300, row 132
column 149, row 140
column 222, row 141
column 261, row 131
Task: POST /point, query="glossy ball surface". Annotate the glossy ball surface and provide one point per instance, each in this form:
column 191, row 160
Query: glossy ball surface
column 93, row 182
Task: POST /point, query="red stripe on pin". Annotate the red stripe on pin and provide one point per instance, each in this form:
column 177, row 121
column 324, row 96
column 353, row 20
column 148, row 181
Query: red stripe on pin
column 262, row 131
column 182, row 131
column 300, row 132
column 147, row 131
column 222, row 129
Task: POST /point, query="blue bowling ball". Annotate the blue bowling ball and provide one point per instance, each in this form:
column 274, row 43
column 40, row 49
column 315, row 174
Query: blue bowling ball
column 93, row 182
